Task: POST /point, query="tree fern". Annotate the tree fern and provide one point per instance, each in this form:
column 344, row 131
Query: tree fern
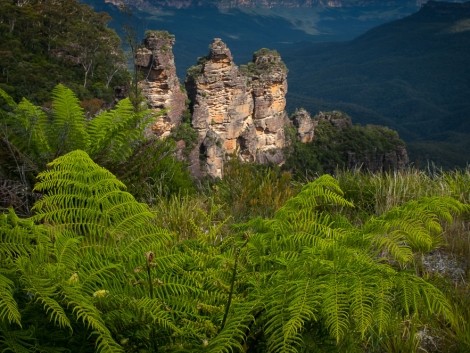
column 68, row 127
column 8, row 306
column 350, row 288
column 87, row 199
column 414, row 226
column 114, row 134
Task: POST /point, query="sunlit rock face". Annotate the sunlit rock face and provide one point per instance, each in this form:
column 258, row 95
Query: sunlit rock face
column 237, row 112
column 305, row 125
column 159, row 83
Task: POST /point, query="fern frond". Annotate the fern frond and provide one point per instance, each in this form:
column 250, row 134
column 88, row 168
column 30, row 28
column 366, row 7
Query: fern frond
column 8, row 307
column 17, row 236
column 157, row 312
column 91, row 317
column 7, row 98
column 418, row 295
column 323, row 191
column 113, row 134
column 68, row 130
column 335, row 306
column 304, row 301
column 85, row 198
column 66, row 247
column 362, row 292
column 33, row 131
column 382, row 305
column 231, row 337
column 17, row 341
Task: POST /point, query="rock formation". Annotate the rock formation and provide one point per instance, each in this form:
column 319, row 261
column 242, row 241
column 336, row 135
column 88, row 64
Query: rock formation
column 304, row 125
column 160, row 85
column 237, row 112
column 385, row 152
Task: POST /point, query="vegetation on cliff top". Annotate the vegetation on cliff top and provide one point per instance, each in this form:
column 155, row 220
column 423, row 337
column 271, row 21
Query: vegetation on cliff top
column 43, row 43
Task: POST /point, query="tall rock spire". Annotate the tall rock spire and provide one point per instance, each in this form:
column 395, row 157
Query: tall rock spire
column 159, row 82
column 237, row 112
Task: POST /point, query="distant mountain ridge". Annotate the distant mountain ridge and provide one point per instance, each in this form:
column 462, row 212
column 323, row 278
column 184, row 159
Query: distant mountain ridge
column 142, row 4
column 411, row 74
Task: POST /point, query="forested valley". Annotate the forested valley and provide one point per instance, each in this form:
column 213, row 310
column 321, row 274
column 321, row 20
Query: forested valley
column 108, row 244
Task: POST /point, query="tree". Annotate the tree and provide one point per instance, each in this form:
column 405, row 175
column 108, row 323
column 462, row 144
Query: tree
column 44, row 43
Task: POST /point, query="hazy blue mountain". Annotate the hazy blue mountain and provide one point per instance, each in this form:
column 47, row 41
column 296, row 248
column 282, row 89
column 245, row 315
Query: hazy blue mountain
column 247, row 29
column 411, row 74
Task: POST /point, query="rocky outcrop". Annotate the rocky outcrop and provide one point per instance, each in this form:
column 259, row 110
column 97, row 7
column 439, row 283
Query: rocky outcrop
column 304, row 124
column 371, row 148
column 160, row 85
column 237, row 112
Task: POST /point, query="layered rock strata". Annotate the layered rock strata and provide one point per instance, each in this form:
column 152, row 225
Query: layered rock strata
column 159, row 83
column 238, row 113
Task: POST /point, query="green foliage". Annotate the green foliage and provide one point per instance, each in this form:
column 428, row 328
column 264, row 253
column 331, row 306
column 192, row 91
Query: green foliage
column 115, row 133
column 34, row 136
column 153, row 171
column 250, row 190
column 339, row 145
column 95, row 270
column 68, row 126
column 43, row 43
column 316, row 268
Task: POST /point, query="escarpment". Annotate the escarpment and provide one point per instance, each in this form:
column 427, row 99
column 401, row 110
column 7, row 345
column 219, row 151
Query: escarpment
column 236, row 111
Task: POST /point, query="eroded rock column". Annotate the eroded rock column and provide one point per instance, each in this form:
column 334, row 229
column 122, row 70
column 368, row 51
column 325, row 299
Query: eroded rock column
column 158, row 80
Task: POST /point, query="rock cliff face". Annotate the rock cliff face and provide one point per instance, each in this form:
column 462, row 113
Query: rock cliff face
column 160, row 85
column 237, row 112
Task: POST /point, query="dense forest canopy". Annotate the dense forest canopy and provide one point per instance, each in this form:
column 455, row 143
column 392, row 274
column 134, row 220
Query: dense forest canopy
column 108, row 245
column 46, row 42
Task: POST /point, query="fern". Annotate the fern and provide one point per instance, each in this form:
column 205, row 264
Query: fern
column 114, row 134
column 318, row 269
column 68, row 128
column 414, row 226
column 8, row 307
column 87, row 199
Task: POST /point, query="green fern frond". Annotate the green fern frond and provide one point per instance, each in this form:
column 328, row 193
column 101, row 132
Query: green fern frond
column 17, row 341
column 113, row 134
column 83, row 309
column 322, row 192
column 335, row 306
column 362, row 292
column 158, row 313
column 382, row 304
column 418, row 295
column 85, row 198
column 33, row 122
column 8, row 307
column 66, row 246
column 17, row 236
column 414, row 226
column 7, row 98
column 68, row 127
column 304, row 301
column 232, row 336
